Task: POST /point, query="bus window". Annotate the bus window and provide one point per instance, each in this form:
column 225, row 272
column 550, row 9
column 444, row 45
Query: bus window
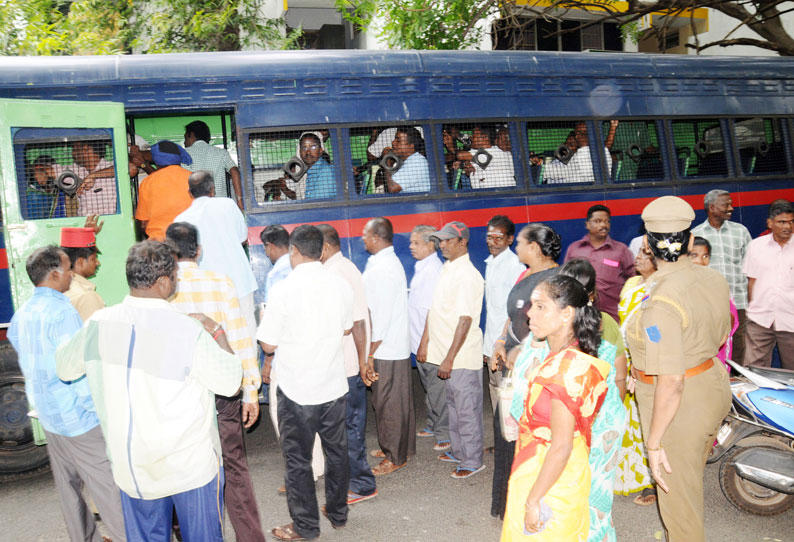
column 293, row 166
column 478, row 155
column 560, row 152
column 634, row 149
column 390, row 160
column 65, row 172
column 760, row 143
column 699, row 148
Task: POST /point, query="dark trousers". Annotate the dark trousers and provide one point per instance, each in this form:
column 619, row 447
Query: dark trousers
column 503, row 453
column 393, row 402
column 297, row 425
column 762, row 340
column 240, row 499
column 362, row 481
column 739, row 341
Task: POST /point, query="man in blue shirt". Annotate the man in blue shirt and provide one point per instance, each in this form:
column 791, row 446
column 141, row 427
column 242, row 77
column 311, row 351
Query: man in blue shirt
column 65, row 409
column 320, row 178
column 413, row 175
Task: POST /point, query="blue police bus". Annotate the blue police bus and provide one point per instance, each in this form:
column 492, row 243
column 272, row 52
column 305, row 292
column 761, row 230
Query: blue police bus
column 426, row 137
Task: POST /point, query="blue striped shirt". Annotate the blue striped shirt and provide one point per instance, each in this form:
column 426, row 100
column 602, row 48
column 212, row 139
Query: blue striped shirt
column 42, row 324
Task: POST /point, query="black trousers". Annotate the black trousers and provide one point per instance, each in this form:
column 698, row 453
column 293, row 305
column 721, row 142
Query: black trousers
column 503, row 463
column 297, row 425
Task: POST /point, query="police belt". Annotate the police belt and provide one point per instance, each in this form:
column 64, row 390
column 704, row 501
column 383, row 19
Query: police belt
column 694, row 371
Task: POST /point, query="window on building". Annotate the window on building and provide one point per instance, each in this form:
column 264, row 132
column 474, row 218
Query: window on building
column 293, row 166
column 760, row 144
column 65, row 172
column 478, row 155
column 699, row 148
column 528, row 34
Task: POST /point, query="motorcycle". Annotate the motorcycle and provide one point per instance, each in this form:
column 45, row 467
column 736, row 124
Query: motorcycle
column 756, row 442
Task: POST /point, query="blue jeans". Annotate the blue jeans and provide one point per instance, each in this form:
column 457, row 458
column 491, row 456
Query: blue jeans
column 362, row 481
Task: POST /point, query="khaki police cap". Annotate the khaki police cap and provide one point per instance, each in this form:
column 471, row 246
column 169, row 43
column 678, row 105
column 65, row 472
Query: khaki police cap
column 667, row 214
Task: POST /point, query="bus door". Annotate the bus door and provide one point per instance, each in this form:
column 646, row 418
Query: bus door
column 47, row 149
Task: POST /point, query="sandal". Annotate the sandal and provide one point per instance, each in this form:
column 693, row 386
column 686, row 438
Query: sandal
column 442, row 445
column 377, row 453
column 448, row 458
column 286, row 532
column 386, row 467
column 460, row 473
column 325, row 513
column 646, row 498
column 424, row 433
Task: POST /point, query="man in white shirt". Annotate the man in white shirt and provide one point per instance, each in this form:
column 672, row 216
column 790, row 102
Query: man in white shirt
column 579, row 168
column 222, row 232
column 359, row 373
column 502, row 270
column 499, row 171
column 453, row 341
column 275, row 239
column 390, row 349
column 306, row 318
column 426, row 272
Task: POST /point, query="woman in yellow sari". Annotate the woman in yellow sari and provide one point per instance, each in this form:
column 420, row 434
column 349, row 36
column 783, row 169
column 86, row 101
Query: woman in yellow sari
column 550, row 481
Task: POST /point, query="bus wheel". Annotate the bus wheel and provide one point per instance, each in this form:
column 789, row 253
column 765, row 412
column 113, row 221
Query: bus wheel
column 18, row 453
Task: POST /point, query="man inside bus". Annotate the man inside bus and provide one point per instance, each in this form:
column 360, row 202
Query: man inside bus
column 483, row 172
column 210, row 158
column 579, row 168
column 319, row 181
column 97, row 193
column 413, row 175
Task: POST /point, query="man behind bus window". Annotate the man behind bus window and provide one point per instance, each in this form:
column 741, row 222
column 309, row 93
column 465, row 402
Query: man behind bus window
column 96, row 195
column 217, row 161
column 413, row 175
column 499, row 172
column 580, row 168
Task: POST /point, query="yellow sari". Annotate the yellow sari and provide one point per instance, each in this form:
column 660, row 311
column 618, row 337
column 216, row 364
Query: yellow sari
column 579, row 382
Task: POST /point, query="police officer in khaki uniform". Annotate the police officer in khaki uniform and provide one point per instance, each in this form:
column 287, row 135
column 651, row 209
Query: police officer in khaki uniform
column 682, row 389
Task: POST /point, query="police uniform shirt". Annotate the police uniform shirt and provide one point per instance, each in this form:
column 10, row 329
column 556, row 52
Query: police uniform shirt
column 683, row 320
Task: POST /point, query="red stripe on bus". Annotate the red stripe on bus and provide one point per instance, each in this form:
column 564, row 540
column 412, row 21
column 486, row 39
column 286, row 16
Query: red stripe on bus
column 521, row 214
column 3, row 259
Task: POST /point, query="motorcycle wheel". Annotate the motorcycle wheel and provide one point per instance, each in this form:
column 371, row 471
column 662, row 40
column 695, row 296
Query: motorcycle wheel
column 749, row 496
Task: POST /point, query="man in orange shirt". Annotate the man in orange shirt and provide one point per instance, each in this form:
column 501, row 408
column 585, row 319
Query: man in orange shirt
column 164, row 194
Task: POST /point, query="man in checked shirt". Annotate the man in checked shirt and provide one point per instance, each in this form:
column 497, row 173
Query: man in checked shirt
column 201, row 291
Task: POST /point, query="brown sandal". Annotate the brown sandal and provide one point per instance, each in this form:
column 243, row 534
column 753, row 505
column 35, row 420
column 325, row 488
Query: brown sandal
column 377, row 453
column 286, row 532
column 646, row 498
column 386, row 467
column 325, row 513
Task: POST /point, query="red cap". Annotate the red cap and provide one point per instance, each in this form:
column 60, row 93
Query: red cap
column 78, row 237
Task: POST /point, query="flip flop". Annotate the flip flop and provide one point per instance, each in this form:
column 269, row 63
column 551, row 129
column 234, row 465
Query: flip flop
column 386, row 467
column 442, row 445
column 424, row 433
column 355, row 498
column 448, row 458
column 286, row 532
column 377, row 453
column 461, row 473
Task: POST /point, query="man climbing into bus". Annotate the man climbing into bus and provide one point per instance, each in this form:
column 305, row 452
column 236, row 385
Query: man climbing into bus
column 217, row 161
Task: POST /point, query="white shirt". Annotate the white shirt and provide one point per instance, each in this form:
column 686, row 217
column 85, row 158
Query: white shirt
column 413, row 175
column 423, row 284
column 306, row 318
column 222, row 231
column 277, row 273
column 346, row 269
column 501, row 274
column 387, row 298
column 500, row 171
column 579, row 168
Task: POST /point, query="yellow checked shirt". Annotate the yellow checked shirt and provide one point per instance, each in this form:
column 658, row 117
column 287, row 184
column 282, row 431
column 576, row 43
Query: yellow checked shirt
column 683, row 320
column 83, row 296
column 214, row 294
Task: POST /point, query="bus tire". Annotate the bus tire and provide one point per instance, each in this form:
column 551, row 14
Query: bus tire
column 18, row 452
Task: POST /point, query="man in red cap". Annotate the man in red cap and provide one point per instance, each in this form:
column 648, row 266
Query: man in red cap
column 80, row 245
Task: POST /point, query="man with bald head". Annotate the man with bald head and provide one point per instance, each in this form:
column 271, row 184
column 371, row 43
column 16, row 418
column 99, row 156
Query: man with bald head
column 390, row 349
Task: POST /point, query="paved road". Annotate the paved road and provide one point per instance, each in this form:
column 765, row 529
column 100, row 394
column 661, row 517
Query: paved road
column 419, row 502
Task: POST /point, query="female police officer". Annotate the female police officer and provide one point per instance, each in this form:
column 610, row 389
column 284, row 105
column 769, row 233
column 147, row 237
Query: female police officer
column 683, row 394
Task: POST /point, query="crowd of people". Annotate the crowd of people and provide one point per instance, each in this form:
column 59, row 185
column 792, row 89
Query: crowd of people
column 605, row 368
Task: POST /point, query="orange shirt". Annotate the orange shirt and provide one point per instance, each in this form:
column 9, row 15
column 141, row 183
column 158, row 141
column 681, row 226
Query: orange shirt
column 161, row 196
